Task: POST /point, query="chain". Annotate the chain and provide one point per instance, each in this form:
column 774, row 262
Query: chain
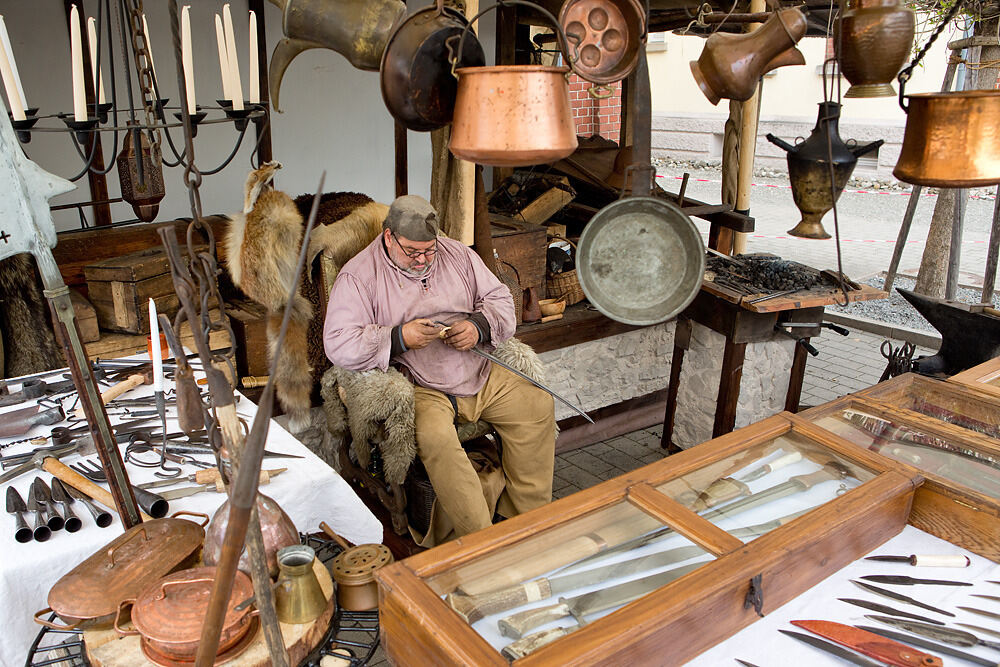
column 907, row 72
column 143, row 66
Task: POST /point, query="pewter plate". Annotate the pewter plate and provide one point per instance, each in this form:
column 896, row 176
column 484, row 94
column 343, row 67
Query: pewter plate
column 640, row 260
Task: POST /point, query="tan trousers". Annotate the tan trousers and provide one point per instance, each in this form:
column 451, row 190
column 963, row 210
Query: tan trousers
column 524, row 417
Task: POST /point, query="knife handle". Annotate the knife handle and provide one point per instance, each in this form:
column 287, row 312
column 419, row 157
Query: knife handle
column 940, row 561
column 41, row 532
column 533, row 642
column 474, row 607
column 515, row 625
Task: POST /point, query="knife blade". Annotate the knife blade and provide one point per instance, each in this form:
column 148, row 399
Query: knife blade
column 768, row 468
column 923, row 643
column 833, row 649
column 926, row 560
column 883, row 609
column 872, row 645
column 994, row 598
column 911, row 581
column 980, row 628
column 744, row 663
column 987, row 614
column 942, row 634
column 185, row 491
column 899, row 597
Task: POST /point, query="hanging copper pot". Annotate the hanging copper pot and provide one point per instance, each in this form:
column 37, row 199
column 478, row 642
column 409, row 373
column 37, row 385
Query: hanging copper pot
column 731, row 64
column 952, row 140
column 606, row 34
column 809, row 169
column 140, row 172
column 873, row 39
column 512, row 115
column 277, row 528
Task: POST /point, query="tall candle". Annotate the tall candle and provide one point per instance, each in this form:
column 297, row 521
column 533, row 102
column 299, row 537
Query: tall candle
column 13, row 99
column 155, row 351
column 235, row 83
column 220, row 40
column 187, row 59
column 95, row 71
column 254, row 73
column 76, row 62
column 149, row 49
column 5, row 39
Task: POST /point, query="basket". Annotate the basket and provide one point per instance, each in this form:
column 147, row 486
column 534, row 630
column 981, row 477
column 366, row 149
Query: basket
column 508, row 276
column 564, row 286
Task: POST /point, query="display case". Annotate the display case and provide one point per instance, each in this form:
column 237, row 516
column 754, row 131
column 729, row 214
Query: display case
column 985, row 377
column 654, row 566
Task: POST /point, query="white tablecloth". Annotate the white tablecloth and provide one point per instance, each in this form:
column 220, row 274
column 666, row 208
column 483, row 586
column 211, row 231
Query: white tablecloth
column 309, row 492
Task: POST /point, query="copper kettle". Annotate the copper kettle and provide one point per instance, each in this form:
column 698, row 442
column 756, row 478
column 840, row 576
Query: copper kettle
column 357, row 29
column 730, row 65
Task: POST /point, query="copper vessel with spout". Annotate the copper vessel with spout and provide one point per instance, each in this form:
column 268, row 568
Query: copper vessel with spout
column 730, row 65
column 809, row 166
column 873, row 39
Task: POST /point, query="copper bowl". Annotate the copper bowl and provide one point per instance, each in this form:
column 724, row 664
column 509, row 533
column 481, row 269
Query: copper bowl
column 354, row 572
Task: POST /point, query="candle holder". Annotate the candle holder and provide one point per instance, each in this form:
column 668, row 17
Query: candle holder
column 194, row 118
column 23, row 127
column 81, row 128
column 240, row 117
column 258, row 118
column 102, row 111
column 160, row 105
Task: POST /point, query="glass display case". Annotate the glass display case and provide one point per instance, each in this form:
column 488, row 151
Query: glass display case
column 985, row 377
column 675, row 556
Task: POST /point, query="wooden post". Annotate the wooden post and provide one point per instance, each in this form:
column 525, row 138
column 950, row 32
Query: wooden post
column 402, row 176
column 465, row 172
column 263, row 128
column 989, row 279
column 729, row 387
column 748, row 146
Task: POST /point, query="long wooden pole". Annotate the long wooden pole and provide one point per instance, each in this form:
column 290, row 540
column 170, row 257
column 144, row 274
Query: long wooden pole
column 465, row 172
column 748, row 146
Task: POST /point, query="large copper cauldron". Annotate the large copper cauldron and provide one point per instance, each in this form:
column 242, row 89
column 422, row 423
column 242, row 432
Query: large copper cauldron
column 952, row 140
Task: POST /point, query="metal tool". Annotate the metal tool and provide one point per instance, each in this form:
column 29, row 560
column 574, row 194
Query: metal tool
column 102, row 518
column 946, row 635
column 929, row 645
column 216, row 486
column 773, row 296
column 884, row 609
column 768, row 468
column 29, row 389
column 872, row 645
column 832, row 649
column 992, row 598
column 926, row 560
column 899, row 597
column 41, row 532
column 151, row 503
column 19, row 422
column 16, row 506
column 44, row 498
column 979, row 628
column 207, row 476
column 901, row 580
column 744, row 663
column 59, row 495
column 987, row 614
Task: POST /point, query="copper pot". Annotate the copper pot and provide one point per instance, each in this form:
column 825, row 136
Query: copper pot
column 604, row 36
column 169, row 615
column 952, row 140
column 277, row 528
column 873, row 38
column 354, row 572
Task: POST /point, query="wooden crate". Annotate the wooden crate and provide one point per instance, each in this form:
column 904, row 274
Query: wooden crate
column 120, row 289
column 675, row 622
column 249, row 322
column 523, row 246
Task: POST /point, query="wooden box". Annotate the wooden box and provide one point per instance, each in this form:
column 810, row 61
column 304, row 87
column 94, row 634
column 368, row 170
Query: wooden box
column 523, row 246
column 249, row 322
column 120, row 289
column 840, row 502
column 985, row 377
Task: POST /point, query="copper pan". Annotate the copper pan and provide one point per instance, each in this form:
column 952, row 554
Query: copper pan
column 607, row 34
column 952, row 140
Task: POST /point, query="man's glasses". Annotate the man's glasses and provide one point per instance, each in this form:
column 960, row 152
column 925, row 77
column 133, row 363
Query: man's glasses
column 413, row 254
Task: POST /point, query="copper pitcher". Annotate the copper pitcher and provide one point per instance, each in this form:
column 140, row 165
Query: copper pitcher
column 730, row 65
column 873, row 39
column 952, row 140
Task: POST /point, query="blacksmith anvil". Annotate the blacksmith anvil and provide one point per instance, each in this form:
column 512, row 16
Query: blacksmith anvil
column 970, row 334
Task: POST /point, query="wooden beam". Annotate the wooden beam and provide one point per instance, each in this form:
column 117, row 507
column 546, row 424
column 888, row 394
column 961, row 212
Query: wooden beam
column 262, row 128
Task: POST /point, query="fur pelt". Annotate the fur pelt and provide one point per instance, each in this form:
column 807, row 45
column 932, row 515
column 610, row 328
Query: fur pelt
column 378, row 408
column 27, row 342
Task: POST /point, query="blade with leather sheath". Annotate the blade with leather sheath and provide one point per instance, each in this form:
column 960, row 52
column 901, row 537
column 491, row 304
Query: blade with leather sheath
column 911, row 581
column 832, row 649
column 987, row 614
column 899, row 597
column 926, row 560
column 979, row 628
column 929, row 645
column 871, row 644
column 883, row 609
column 518, row 624
column 946, row 635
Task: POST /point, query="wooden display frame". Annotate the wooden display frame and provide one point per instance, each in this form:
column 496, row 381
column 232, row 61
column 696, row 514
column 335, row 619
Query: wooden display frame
column 985, row 377
column 678, row 621
column 976, row 403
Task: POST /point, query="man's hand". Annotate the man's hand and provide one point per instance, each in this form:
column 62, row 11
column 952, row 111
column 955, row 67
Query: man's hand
column 419, row 333
column 462, row 335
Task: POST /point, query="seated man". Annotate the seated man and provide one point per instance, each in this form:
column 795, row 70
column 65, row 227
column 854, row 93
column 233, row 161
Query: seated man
column 420, row 302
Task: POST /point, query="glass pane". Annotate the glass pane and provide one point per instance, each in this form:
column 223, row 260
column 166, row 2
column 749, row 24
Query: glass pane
column 950, row 404
column 585, row 569
column 760, row 488
column 953, row 461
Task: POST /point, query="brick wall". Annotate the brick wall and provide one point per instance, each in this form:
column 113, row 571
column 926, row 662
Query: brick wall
column 593, row 116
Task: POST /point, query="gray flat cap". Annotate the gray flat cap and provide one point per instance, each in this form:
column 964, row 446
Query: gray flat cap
column 412, row 217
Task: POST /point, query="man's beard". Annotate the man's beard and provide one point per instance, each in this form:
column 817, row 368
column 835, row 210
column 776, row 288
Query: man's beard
column 419, row 273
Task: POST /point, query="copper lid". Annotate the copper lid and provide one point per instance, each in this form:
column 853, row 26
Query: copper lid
column 357, row 565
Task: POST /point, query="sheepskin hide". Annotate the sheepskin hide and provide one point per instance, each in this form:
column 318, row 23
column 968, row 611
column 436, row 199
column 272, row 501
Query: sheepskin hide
column 379, row 408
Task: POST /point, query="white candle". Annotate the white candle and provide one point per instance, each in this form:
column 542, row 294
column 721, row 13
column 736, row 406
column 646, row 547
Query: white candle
column 220, row 40
column 76, row 62
column 235, row 83
column 95, row 72
column 149, row 48
column 156, row 353
column 5, row 38
column 254, row 73
column 187, row 59
column 13, row 99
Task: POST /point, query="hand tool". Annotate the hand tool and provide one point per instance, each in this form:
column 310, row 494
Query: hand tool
column 899, row 597
column 883, row 609
column 979, row 628
column 102, row 518
column 133, row 381
column 744, row 663
column 946, row 635
column 833, row 649
column 216, row 486
column 151, row 503
column 16, row 506
column 59, row 495
column 189, row 411
column 929, row 645
column 344, row 544
column 926, row 560
column 29, row 389
column 992, row 582
column 44, row 498
column 40, row 532
column 987, row 614
column 206, row 476
column 768, row 468
column 993, row 598
column 19, row 422
column 872, row 645
column 911, row 581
